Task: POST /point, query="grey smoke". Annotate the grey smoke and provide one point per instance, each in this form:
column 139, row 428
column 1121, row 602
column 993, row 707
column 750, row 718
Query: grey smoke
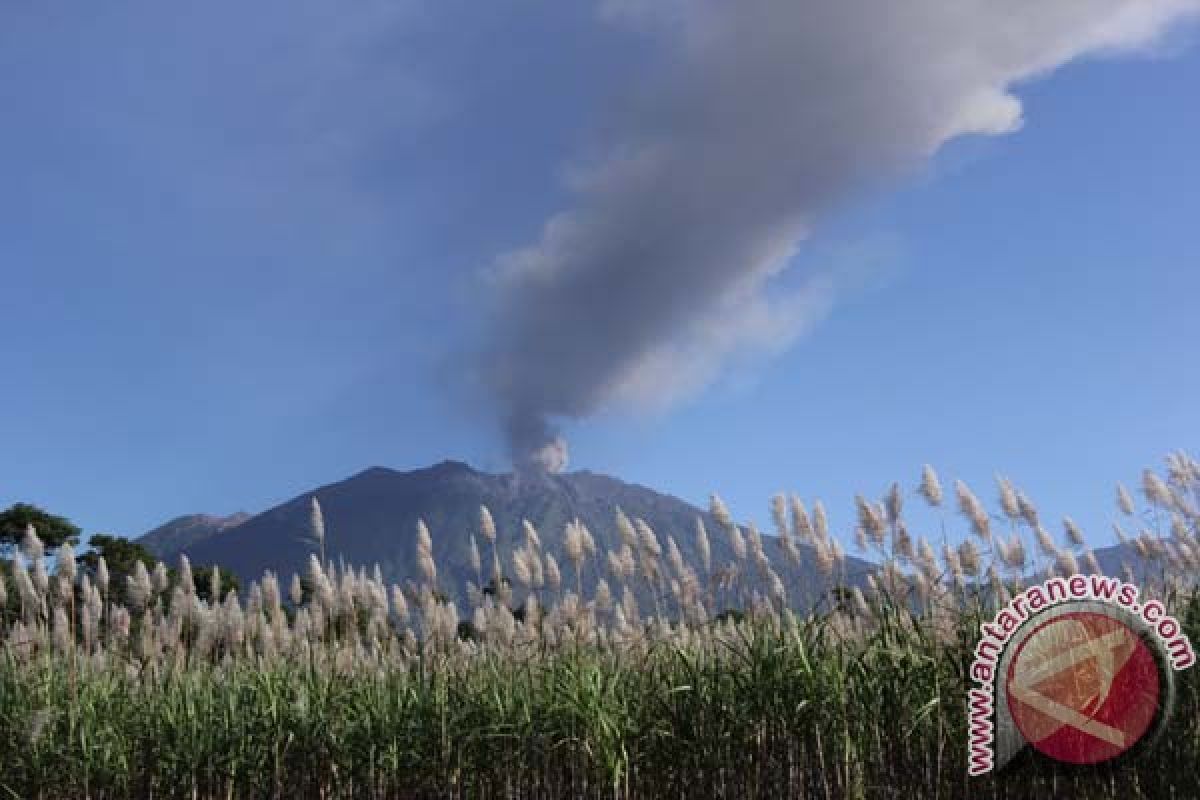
column 765, row 114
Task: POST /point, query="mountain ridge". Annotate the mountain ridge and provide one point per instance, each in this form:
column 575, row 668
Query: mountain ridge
column 371, row 519
column 176, row 534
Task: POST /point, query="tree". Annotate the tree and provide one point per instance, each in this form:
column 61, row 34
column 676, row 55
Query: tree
column 202, row 577
column 53, row 530
column 121, row 557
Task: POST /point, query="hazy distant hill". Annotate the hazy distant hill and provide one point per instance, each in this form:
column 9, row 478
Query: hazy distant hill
column 1113, row 560
column 371, row 518
column 169, row 539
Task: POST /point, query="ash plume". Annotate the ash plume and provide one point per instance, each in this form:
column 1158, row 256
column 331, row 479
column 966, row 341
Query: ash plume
column 761, row 116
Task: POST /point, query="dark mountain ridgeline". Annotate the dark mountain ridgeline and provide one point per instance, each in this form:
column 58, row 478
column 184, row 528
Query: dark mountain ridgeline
column 371, row 518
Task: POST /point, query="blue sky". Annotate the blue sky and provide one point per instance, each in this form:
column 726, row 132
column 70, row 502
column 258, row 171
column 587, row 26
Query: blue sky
column 242, row 253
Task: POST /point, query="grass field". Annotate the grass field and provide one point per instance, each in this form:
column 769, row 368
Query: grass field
column 340, row 686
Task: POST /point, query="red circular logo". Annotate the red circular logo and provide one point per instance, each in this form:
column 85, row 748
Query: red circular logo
column 1083, row 688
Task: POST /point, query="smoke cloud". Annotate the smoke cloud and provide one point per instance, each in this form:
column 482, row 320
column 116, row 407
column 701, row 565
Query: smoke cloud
column 761, row 116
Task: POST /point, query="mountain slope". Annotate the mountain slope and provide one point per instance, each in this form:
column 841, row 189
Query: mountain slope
column 1114, row 560
column 371, row 519
column 169, row 539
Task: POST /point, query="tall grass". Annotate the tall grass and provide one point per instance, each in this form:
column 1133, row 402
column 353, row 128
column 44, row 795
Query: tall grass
column 350, row 688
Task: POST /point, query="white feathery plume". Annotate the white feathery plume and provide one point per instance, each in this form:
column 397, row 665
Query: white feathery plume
column 702, row 545
column 521, row 568
column 1156, row 491
column 487, row 525
column 1074, row 534
column 1028, row 510
column 620, row 623
column 625, row 529
column 953, row 563
column 778, row 592
column 316, row 570
column 475, row 559
column 1179, row 469
column 186, row 581
column 102, row 577
column 25, row 588
column 630, row 606
column 968, row 556
column 801, row 525
column 87, row 627
column 931, row 487
column 1045, row 542
column 270, row 590
column 925, row 554
column 1066, row 564
column 675, row 557
column 754, row 539
column 737, row 542
column 160, row 580
column 1008, row 498
column 589, row 543
column 790, row 551
column 869, row 520
column 531, row 535
column 603, row 596
column 820, row 521
column 903, row 543
column 720, row 512
column 779, row 515
column 1141, row 546
column 615, row 564
column 649, row 541
column 861, row 607
column 425, row 553
column 920, row 586
column 138, row 586
column 62, row 632
column 474, row 595
column 1179, row 529
column 860, row 539
column 628, row 563
column 65, row 561
column 214, row 584
column 62, row 587
column 970, row 507
column 31, row 546
column 316, row 525
column 573, row 543
column 537, row 568
column 1124, row 500
column 399, row 604
column 893, row 503
column 553, row 576
column 823, row 557
column 1014, row 555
